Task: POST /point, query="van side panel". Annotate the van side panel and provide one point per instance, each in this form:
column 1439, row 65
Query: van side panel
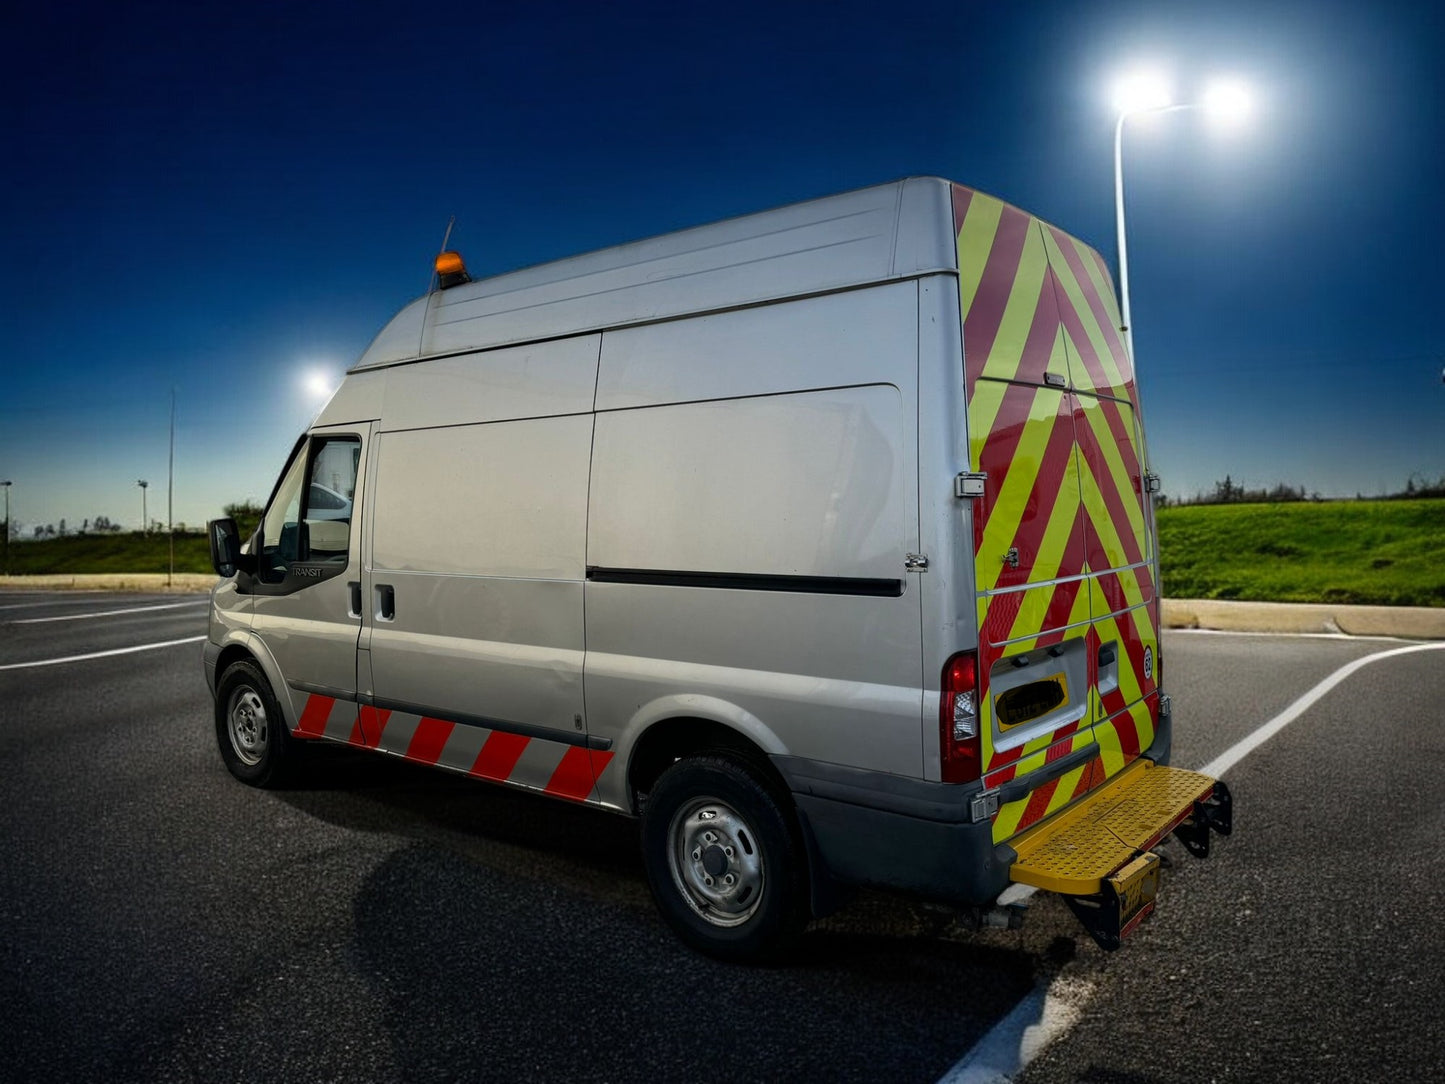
column 746, row 554
column 480, row 535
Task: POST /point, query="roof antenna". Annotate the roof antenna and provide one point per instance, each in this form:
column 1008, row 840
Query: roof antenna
column 432, row 282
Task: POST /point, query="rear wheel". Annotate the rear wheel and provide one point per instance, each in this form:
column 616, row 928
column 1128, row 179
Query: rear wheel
column 724, row 859
column 250, row 729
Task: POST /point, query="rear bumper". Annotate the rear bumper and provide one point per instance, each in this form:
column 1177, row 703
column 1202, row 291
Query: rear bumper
column 871, row 828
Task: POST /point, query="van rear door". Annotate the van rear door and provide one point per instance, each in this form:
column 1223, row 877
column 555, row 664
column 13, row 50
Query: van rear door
column 1120, row 553
column 1061, row 542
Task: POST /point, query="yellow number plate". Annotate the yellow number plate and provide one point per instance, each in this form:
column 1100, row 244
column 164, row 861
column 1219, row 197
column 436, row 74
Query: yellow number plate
column 1025, row 703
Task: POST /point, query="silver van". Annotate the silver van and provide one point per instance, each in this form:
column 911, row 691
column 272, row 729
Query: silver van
column 818, row 540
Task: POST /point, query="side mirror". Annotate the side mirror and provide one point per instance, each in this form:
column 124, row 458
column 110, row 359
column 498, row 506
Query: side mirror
column 225, row 539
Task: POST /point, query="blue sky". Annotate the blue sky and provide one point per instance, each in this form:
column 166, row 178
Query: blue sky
column 219, row 201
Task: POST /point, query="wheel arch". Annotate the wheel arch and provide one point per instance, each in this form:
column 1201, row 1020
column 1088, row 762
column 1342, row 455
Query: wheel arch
column 246, row 646
column 672, row 727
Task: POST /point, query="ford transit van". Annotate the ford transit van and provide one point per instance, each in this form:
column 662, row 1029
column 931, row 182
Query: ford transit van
column 818, row 540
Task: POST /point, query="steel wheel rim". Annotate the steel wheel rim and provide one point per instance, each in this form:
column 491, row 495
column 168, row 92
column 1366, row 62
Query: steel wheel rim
column 247, row 725
column 716, row 862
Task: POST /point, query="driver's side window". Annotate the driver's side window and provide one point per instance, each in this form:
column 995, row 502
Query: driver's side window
column 310, row 517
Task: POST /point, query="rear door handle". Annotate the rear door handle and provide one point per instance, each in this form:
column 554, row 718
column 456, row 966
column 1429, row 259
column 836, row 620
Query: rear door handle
column 385, row 602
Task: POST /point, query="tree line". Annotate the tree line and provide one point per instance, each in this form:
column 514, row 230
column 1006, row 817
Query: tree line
column 1228, row 491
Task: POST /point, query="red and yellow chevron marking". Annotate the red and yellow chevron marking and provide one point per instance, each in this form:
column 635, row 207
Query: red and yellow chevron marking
column 555, row 768
column 1061, row 535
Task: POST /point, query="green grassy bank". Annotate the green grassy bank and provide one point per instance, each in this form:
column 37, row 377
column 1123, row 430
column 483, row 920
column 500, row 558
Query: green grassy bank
column 1372, row 552
column 108, row 553
column 1388, row 553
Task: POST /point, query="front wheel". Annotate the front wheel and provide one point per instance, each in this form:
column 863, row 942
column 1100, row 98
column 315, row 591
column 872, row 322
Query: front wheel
column 250, row 729
column 723, row 858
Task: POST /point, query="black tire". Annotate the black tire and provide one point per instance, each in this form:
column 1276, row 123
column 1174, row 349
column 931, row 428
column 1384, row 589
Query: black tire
column 710, row 818
column 250, row 728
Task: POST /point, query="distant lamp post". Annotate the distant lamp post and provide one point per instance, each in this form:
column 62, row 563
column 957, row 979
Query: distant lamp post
column 6, row 485
column 1227, row 101
column 144, row 522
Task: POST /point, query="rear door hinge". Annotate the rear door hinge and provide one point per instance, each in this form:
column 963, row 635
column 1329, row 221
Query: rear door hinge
column 970, row 484
column 1152, row 483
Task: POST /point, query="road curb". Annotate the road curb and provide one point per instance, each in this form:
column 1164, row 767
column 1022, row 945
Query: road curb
column 1409, row 622
column 180, row 582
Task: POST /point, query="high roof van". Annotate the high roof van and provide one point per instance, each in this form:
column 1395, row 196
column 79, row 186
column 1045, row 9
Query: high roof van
column 818, row 540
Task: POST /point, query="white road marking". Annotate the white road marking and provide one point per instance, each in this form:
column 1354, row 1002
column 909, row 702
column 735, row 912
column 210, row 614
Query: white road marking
column 108, row 613
column 52, row 599
column 1347, row 637
column 101, row 654
column 1246, row 745
column 1047, row 1014
column 1035, row 1022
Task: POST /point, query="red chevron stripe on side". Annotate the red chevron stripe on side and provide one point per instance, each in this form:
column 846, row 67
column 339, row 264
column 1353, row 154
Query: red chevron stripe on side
column 370, row 722
column 573, row 777
column 498, row 755
column 312, row 723
column 429, row 740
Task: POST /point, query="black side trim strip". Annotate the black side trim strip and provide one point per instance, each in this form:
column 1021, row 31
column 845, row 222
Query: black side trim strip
column 323, row 690
column 749, row 581
column 566, row 737
column 1015, row 789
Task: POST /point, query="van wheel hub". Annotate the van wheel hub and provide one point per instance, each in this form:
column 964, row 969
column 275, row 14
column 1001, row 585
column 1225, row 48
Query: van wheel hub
column 247, row 725
column 715, row 862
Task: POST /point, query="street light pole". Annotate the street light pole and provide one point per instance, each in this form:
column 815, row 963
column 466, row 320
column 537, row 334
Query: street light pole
column 144, row 521
column 1124, row 315
column 6, row 485
column 1146, row 93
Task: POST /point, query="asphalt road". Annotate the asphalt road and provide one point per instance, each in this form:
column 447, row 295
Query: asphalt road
column 380, row 922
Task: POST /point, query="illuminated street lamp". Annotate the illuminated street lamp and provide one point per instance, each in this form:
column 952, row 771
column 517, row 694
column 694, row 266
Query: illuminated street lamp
column 144, row 522
column 1226, row 101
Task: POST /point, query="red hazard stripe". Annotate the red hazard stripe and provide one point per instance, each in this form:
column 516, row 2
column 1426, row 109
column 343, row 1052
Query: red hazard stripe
column 499, row 755
column 370, row 722
column 312, row 723
column 430, row 739
column 573, row 777
column 1001, row 444
column 1038, row 804
column 1060, row 748
column 1008, row 756
column 1038, row 346
column 981, row 322
column 1095, row 302
column 1112, row 500
column 962, row 197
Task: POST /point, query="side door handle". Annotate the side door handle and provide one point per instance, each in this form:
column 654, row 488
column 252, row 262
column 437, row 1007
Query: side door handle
column 385, row 602
column 353, row 603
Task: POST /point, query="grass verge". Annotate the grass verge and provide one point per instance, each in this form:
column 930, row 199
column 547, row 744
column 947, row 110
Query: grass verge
column 1389, row 553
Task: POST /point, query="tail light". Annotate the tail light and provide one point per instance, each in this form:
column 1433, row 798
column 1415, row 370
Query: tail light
column 958, row 744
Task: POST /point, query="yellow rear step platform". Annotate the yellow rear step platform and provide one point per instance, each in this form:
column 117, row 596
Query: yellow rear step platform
column 1077, row 850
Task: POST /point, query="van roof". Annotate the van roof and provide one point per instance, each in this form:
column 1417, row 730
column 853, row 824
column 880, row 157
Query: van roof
column 890, row 231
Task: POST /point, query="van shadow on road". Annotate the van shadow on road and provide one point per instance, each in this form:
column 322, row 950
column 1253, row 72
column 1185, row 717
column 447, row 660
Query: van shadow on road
column 513, row 937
